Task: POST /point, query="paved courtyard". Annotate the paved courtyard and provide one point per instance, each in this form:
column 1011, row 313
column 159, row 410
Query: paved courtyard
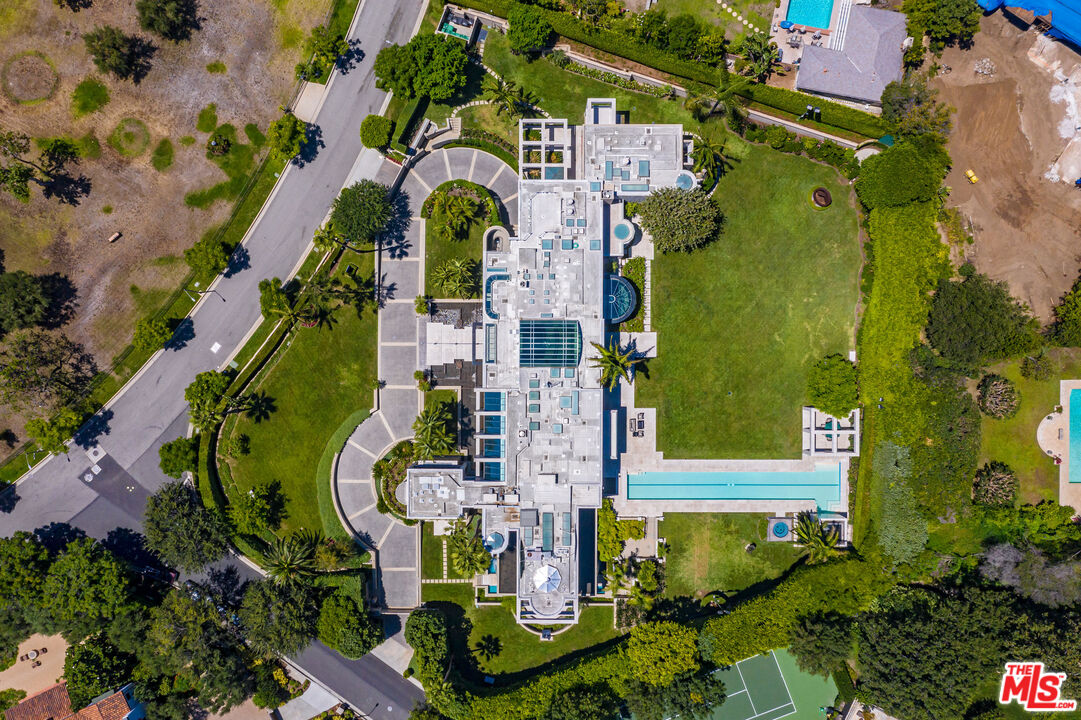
column 401, row 278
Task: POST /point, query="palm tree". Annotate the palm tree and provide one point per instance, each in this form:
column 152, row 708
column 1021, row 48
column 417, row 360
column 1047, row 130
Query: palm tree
column 818, row 538
column 614, row 363
column 467, row 552
column 699, row 105
column 291, row 559
column 503, row 94
column 431, row 434
column 456, row 212
column 760, row 54
column 458, row 276
column 708, row 155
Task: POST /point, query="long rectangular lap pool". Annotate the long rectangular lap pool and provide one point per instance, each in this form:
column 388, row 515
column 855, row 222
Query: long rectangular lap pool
column 822, row 485
column 1075, row 436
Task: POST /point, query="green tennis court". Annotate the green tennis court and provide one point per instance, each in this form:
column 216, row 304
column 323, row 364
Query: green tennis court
column 770, row 687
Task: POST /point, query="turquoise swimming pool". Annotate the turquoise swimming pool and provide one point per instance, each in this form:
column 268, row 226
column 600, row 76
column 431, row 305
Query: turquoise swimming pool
column 822, row 485
column 812, row 13
column 1075, row 435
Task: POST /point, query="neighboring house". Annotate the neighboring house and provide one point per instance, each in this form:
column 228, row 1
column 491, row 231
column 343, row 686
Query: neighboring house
column 54, row 704
column 870, row 58
column 1059, row 18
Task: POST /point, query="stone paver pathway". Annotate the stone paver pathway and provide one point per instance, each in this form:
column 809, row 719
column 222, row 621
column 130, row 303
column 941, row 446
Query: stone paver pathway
column 396, row 546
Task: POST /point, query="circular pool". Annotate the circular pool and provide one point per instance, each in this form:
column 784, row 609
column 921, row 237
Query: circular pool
column 623, row 230
column 622, row 299
column 685, row 181
column 495, row 543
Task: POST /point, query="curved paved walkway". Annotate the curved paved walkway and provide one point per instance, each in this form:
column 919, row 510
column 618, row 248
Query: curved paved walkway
column 396, row 546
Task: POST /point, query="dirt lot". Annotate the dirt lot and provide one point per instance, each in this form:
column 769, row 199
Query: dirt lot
column 1006, row 130
column 258, row 42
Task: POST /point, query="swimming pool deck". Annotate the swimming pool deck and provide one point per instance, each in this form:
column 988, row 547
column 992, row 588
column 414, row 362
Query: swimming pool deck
column 641, row 455
column 1053, row 437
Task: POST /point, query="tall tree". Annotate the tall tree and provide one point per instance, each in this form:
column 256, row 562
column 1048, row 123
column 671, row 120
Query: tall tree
column 94, row 667
column 832, row 386
column 285, row 136
column 690, row 696
column 22, row 301
column 466, row 549
column 125, row 56
column 85, row 587
column 208, row 256
column 680, row 220
column 279, row 619
column 151, row 334
column 181, row 531
column 24, row 562
column 431, row 65
column 345, row 625
column 51, row 434
column 179, row 456
column 822, row 643
column 585, row 702
column 40, row 369
column 204, row 396
column 361, row 211
column 977, row 321
column 186, row 641
column 659, row 652
column 529, row 31
column 170, row 19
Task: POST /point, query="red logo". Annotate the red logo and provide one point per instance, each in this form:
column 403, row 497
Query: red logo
column 1034, row 689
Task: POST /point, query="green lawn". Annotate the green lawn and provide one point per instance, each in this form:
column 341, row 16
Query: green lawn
column 431, row 553
column 740, row 321
column 323, row 377
column 1013, row 441
column 706, row 552
column 758, row 13
column 438, row 250
column 563, row 94
column 521, row 649
column 486, row 118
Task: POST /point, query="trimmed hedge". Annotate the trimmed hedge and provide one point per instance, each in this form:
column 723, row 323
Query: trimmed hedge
column 841, row 116
column 630, row 48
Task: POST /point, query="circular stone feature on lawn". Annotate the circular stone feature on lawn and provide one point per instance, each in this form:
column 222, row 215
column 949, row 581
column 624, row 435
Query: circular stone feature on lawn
column 29, row 77
column 130, row 138
column 821, row 197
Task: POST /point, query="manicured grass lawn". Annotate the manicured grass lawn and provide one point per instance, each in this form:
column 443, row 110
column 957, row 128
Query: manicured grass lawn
column 1013, row 440
column 521, row 649
column 564, row 94
column 431, row 553
column 758, row 13
column 706, row 552
column 741, row 320
column 316, row 383
column 438, row 250
column 486, row 118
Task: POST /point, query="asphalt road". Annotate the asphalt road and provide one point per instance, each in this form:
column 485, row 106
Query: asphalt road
column 123, row 440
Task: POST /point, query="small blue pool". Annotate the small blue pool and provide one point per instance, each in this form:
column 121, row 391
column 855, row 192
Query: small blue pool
column 822, row 485
column 1075, row 436
column 622, row 230
column 812, row 13
column 685, row 181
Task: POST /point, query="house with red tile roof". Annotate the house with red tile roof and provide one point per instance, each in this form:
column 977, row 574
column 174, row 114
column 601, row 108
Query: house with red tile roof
column 54, row 704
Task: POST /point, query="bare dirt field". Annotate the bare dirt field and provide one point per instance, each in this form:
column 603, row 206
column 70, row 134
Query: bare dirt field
column 257, row 42
column 1006, row 129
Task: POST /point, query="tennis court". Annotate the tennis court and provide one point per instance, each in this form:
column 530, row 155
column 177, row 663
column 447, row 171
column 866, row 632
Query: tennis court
column 755, row 690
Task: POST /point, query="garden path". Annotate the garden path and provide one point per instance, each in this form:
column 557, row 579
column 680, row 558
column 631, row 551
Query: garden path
column 396, row 546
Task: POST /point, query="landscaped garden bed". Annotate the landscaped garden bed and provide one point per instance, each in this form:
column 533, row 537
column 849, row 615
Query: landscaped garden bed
column 456, row 213
column 388, row 473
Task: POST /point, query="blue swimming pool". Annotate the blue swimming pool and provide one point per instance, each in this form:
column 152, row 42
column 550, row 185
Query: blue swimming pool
column 1075, row 436
column 822, row 485
column 812, row 13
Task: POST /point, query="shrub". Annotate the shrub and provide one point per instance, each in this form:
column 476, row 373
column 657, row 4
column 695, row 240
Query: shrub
column 995, row 485
column 162, row 157
column 237, row 446
column 216, row 68
column 1037, row 367
column 902, row 175
column 375, row 131
column 178, row 456
column 832, row 386
column 89, row 96
column 997, row 396
column 1067, row 328
column 324, row 49
column 612, row 532
column 125, row 56
column 208, row 119
column 432, row 65
column 361, row 211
